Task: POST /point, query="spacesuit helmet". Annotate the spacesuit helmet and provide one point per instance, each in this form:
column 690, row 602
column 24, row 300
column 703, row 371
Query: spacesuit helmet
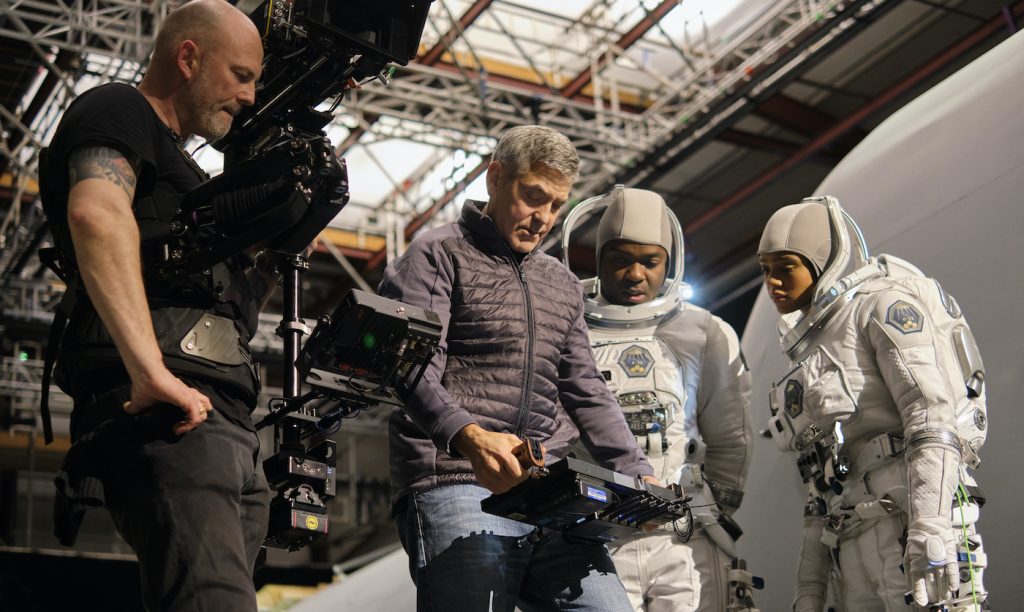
column 635, row 215
column 638, row 216
column 634, row 240
column 828, row 238
column 802, row 229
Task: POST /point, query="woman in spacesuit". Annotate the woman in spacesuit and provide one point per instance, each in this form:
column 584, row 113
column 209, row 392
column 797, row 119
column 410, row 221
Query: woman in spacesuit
column 885, row 408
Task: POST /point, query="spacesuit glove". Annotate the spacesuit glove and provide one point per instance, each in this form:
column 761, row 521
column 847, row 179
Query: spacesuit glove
column 812, row 572
column 930, row 560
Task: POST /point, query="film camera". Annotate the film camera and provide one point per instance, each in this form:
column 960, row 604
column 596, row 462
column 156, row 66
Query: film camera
column 282, row 182
column 281, row 186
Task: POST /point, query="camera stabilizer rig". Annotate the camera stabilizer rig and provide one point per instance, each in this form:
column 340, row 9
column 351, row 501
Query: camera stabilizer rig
column 282, row 184
column 371, row 351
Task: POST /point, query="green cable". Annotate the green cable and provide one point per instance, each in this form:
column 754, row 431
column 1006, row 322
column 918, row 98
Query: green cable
column 961, row 497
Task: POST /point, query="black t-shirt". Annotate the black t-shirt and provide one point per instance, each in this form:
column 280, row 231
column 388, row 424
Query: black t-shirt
column 118, row 116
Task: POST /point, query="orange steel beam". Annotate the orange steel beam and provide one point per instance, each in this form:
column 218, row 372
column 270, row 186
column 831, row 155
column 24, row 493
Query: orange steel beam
column 430, row 57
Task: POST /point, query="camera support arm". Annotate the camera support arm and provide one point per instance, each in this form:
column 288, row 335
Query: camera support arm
column 291, row 330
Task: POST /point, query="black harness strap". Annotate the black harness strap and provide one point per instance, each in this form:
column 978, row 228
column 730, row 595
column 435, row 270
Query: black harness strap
column 51, row 259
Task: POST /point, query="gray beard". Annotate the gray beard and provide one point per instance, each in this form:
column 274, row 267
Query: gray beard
column 202, row 114
column 209, row 127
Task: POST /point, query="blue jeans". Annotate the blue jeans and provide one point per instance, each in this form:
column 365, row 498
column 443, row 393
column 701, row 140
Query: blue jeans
column 464, row 560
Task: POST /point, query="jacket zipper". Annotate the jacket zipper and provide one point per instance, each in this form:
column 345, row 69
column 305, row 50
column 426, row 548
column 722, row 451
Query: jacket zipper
column 524, row 404
column 524, row 407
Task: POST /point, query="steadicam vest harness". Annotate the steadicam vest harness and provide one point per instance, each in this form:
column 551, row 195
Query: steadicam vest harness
column 194, row 339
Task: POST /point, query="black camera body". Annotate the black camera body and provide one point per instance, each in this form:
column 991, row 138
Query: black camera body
column 282, row 182
column 315, row 50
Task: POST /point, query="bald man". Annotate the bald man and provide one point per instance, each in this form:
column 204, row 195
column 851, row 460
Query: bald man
column 160, row 371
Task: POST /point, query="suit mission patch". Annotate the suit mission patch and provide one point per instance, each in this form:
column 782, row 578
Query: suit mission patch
column 636, row 361
column 794, row 397
column 904, row 317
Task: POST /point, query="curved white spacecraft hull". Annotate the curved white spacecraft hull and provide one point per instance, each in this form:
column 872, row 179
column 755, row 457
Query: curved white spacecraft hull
column 941, row 184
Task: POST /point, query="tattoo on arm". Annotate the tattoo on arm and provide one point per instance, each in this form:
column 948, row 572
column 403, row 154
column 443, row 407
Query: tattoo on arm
column 103, row 163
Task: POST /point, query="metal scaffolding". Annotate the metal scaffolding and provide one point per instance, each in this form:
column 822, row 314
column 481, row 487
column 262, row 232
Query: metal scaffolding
column 612, row 135
column 583, row 76
column 80, row 44
column 121, row 29
column 459, row 102
column 589, row 81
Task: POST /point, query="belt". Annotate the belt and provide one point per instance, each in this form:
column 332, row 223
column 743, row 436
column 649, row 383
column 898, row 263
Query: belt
column 876, row 454
column 878, row 451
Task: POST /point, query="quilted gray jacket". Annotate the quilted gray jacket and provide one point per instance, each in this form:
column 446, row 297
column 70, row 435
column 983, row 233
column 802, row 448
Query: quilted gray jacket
column 514, row 357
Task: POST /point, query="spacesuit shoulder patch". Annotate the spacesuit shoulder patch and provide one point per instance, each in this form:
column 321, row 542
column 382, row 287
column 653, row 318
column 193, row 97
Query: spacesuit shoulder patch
column 905, row 317
column 636, row 361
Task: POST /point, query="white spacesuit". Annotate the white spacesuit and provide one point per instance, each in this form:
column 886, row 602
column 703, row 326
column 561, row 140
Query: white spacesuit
column 678, row 373
column 885, row 406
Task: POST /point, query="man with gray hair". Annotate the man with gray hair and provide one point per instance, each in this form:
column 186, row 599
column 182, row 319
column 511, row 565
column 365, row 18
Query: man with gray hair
column 514, row 362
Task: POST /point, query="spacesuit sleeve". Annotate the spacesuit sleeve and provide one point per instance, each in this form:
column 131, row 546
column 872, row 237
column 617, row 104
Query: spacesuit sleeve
column 723, row 414
column 902, row 338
